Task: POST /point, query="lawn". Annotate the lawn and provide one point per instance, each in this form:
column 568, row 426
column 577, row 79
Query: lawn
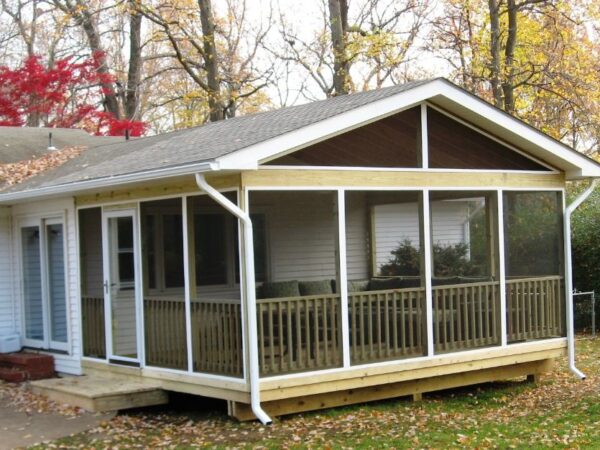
column 560, row 412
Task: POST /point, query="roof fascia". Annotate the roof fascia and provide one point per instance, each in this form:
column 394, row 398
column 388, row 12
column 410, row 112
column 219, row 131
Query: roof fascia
column 75, row 187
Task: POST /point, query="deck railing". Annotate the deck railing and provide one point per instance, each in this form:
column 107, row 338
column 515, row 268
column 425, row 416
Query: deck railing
column 299, row 333
column 535, row 308
column 92, row 314
column 466, row 316
column 217, row 337
column 386, row 324
column 165, row 335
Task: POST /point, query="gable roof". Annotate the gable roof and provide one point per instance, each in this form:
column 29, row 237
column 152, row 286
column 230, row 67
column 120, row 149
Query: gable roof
column 243, row 143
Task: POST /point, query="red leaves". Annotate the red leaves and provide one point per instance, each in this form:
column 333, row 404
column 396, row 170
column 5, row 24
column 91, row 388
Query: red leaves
column 66, row 95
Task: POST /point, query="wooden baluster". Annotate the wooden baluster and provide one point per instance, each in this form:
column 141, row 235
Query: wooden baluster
column 325, row 329
column 280, row 337
column 290, row 339
column 399, row 298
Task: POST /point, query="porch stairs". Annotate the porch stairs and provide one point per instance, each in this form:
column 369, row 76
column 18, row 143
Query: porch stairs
column 96, row 393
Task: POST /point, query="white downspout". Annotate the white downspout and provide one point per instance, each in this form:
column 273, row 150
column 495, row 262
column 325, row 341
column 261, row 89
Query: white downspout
column 569, row 278
column 250, row 293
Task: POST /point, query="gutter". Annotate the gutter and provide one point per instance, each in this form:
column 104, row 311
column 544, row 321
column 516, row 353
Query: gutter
column 112, row 181
column 569, row 278
column 250, row 293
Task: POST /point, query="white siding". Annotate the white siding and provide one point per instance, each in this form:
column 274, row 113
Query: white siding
column 69, row 363
column 301, row 234
column 357, row 236
column 8, row 318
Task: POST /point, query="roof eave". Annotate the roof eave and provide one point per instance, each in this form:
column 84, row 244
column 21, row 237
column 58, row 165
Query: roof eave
column 78, row 186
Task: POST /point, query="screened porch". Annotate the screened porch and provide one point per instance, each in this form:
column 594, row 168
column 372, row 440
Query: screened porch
column 387, row 266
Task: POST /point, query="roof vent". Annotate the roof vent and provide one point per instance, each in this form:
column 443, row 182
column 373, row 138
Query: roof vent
column 51, row 147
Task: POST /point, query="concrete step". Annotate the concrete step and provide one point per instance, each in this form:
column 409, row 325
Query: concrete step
column 95, row 393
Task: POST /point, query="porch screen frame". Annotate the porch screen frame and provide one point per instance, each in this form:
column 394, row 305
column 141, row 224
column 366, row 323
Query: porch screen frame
column 41, row 222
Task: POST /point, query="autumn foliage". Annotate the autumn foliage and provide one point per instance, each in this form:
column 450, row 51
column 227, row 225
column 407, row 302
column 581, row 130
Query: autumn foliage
column 66, row 95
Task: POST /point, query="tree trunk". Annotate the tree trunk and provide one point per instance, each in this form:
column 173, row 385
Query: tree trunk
column 132, row 98
column 495, row 45
column 211, row 61
column 81, row 14
column 338, row 23
column 508, row 84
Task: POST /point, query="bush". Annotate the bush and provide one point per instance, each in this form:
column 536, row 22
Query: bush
column 449, row 260
column 585, row 239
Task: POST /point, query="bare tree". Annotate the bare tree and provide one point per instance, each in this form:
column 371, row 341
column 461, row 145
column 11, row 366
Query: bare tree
column 221, row 59
column 122, row 99
column 358, row 45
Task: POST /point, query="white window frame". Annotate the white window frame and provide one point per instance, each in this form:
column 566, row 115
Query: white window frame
column 41, row 222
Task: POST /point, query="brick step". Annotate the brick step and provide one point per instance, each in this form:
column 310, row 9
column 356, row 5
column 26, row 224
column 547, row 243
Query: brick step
column 28, row 361
column 17, row 367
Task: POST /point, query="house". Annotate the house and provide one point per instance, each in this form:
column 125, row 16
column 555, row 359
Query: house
column 379, row 244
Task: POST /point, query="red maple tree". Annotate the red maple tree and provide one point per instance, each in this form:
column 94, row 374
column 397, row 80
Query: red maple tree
column 66, row 95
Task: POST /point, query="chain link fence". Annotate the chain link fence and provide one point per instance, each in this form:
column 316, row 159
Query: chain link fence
column 585, row 310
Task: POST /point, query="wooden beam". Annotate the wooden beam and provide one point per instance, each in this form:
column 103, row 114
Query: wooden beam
column 414, row 388
column 159, row 188
column 441, row 363
column 402, row 179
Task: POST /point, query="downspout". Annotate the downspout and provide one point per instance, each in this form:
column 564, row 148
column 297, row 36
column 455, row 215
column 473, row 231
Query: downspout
column 250, row 293
column 569, row 278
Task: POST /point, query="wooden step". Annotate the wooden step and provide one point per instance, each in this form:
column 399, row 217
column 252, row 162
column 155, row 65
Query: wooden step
column 96, row 393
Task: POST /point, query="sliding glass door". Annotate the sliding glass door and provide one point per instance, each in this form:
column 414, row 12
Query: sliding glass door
column 44, row 283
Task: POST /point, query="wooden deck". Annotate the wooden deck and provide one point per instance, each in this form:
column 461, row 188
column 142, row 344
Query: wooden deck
column 96, row 393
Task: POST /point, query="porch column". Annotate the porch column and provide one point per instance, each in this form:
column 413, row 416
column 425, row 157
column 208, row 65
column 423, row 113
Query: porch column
column 343, row 276
column 428, row 271
column 501, row 268
column 189, row 275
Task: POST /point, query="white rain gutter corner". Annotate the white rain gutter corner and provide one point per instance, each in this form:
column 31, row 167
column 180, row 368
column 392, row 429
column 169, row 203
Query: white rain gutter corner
column 250, row 293
column 569, row 277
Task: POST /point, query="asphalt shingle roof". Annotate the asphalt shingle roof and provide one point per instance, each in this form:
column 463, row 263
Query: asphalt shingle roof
column 23, row 143
column 200, row 144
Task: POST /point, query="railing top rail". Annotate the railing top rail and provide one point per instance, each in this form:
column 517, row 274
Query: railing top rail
column 541, row 278
column 441, row 287
column 386, row 291
column 301, row 297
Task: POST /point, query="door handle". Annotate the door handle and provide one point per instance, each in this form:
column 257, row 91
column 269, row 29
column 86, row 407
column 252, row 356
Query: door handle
column 107, row 285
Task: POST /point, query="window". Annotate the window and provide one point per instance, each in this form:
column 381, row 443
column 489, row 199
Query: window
column 44, row 284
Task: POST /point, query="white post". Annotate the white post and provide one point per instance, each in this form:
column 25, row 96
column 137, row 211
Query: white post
column 427, row 255
column 250, row 294
column 501, row 268
column 343, row 275
column 187, row 281
column 424, row 138
column 568, row 275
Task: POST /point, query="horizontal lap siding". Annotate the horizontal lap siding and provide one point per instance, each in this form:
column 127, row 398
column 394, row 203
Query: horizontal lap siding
column 397, row 222
column 357, row 237
column 302, row 238
column 7, row 308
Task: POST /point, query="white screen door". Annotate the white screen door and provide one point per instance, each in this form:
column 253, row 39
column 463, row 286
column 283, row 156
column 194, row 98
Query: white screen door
column 121, row 285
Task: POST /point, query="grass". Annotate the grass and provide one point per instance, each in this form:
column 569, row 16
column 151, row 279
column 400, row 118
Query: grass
column 560, row 412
